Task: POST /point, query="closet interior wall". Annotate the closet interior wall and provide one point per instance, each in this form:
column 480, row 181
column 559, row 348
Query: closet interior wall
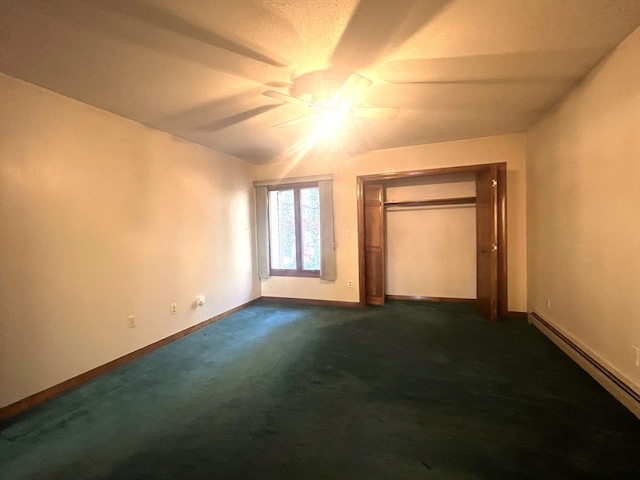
column 431, row 248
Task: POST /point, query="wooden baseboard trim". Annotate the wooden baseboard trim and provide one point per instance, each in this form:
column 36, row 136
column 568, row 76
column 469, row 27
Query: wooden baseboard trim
column 31, row 401
column 615, row 385
column 512, row 314
column 310, row 301
column 417, row 298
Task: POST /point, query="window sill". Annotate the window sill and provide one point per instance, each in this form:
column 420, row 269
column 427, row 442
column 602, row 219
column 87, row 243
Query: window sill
column 295, row 273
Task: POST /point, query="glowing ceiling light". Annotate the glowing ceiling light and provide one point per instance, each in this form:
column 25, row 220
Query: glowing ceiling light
column 329, row 117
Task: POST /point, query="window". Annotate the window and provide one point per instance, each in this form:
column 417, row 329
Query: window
column 294, row 230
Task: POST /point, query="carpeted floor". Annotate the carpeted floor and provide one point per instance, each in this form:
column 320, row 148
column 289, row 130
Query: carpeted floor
column 277, row 391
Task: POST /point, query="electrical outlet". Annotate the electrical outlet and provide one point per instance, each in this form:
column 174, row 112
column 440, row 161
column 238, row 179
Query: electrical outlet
column 350, row 283
column 173, row 309
column 636, row 355
column 131, row 321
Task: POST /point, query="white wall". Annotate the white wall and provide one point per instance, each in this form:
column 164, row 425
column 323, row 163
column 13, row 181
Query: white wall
column 583, row 199
column 431, row 251
column 505, row 148
column 101, row 218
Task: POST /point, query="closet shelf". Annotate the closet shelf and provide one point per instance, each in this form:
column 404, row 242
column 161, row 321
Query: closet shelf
column 434, row 202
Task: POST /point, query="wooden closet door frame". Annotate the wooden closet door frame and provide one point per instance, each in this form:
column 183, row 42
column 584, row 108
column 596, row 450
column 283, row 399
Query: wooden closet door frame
column 382, row 178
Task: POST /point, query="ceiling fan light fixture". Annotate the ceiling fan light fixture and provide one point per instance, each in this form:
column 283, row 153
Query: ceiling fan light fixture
column 329, row 103
column 328, row 118
column 327, row 124
column 337, row 106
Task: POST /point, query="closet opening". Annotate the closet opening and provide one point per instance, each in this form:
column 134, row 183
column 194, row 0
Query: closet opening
column 436, row 235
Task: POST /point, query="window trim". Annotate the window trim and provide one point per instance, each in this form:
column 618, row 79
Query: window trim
column 298, row 272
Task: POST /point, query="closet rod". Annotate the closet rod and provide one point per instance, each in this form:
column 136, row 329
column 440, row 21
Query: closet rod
column 428, row 203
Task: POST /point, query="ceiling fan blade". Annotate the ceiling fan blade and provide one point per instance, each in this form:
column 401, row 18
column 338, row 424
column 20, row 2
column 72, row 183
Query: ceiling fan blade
column 201, row 114
column 375, row 113
column 292, row 122
column 237, row 118
column 353, row 89
column 375, row 29
column 286, row 98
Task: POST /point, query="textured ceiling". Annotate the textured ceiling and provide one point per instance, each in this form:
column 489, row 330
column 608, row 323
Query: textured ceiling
column 197, row 69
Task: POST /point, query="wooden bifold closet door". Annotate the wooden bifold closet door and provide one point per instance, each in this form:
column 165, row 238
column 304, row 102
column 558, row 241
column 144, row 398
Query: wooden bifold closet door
column 375, row 276
column 487, row 242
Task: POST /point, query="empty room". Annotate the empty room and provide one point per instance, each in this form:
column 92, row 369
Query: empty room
column 319, row 239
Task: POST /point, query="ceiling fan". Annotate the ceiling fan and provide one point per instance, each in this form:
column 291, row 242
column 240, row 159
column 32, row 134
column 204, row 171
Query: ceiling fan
column 327, row 103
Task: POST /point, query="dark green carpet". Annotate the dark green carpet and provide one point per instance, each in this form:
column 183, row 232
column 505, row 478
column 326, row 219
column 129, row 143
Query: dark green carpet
column 404, row 391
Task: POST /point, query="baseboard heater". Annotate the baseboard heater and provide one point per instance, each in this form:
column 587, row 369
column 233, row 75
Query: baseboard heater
column 623, row 392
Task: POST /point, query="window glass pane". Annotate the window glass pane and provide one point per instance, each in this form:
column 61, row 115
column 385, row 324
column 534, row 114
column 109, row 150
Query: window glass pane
column 282, row 229
column 310, row 226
